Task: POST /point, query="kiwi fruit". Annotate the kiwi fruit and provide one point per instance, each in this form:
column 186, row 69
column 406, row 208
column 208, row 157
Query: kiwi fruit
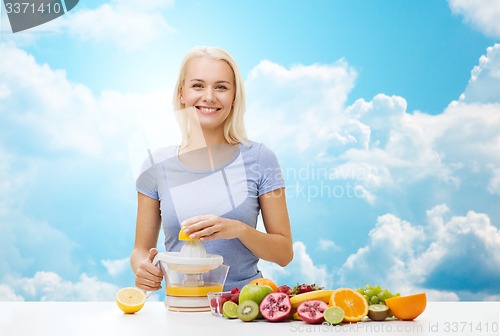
column 378, row 312
column 247, row 311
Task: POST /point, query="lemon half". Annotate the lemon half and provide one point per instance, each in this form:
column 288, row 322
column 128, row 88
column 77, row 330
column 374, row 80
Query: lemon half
column 184, row 236
column 130, row 299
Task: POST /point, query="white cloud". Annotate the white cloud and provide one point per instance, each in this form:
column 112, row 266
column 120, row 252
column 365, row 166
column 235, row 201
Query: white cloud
column 309, row 272
column 4, row 91
column 401, row 146
column 471, row 241
column 128, row 24
column 482, row 14
column 49, row 286
column 377, row 145
column 300, row 100
column 438, row 258
column 8, row 294
column 494, row 183
column 365, row 194
column 328, row 245
column 275, row 272
column 485, row 79
column 492, row 298
column 391, row 243
column 302, row 269
column 116, row 267
column 11, row 180
column 152, row 5
column 24, row 245
column 64, row 116
column 436, row 295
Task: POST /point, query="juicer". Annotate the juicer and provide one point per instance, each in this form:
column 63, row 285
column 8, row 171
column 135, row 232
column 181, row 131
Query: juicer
column 190, row 275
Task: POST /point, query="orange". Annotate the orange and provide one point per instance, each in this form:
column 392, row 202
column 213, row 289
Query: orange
column 353, row 303
column 266, row 282
column 407, row 307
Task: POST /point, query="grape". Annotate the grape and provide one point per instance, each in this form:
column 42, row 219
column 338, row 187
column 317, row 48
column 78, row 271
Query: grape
column 375, row 294
column 384, row 294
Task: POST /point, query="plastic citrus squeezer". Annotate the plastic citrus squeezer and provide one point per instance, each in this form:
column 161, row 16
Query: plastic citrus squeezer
column 190, row 275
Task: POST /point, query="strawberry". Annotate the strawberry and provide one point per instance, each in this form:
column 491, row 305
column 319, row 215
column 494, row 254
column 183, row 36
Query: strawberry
column 285, row 289
column 304, row 288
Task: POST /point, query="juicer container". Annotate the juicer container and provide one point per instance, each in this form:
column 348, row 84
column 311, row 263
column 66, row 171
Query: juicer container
column 212, row 280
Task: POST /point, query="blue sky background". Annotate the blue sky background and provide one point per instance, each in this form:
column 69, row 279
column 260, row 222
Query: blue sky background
column 385, row 116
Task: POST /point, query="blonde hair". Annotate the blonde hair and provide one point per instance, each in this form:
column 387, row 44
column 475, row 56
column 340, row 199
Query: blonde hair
column 234, row 126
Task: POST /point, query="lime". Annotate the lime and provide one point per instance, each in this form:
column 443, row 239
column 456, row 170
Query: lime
column 334, row 315
column 230, row 310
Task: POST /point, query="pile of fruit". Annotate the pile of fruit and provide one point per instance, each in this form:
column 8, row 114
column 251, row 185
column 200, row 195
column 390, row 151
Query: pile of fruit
column 263, row 299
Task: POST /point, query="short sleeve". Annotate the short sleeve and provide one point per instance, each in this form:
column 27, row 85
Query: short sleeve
column 146, row 183
column 270, row 174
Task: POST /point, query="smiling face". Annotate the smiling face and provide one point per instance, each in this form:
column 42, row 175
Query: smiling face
column 209, row 87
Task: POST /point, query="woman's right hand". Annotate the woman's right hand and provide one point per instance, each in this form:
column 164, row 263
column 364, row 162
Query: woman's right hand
column 148, row 277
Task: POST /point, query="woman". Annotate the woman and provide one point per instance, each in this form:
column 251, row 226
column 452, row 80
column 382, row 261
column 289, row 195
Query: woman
column 215, row 183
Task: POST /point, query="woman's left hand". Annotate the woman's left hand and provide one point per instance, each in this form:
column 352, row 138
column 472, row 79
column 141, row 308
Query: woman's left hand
column 209, row 227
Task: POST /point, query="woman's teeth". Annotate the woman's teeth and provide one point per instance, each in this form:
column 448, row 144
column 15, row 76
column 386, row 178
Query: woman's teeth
column 207, row 110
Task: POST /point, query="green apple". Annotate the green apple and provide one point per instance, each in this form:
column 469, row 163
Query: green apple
column 255, row 293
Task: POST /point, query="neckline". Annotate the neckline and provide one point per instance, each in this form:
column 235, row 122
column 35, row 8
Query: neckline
column 205, row 171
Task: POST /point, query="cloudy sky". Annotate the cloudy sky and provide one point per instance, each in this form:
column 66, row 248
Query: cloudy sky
column 385, row 116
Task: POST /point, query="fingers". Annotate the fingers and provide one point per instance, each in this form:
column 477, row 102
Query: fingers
column 209, row 227
column 198, row 223
column 152, row 253
column 204, row 228
column 147, row 285
column 207, row 233
column 147, row 280
column 196, row 219
column 148, row 276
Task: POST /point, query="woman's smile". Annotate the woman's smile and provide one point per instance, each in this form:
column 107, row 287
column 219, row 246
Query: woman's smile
column 206, row 110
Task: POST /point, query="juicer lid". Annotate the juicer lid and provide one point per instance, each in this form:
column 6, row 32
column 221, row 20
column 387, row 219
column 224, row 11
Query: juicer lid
column 177, row 258
column 189, row 265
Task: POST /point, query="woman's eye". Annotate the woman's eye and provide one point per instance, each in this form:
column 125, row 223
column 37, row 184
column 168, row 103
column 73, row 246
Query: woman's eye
column 197, row 85
column 221, row 87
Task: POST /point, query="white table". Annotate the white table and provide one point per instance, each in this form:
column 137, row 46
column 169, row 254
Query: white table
column 104, row 318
